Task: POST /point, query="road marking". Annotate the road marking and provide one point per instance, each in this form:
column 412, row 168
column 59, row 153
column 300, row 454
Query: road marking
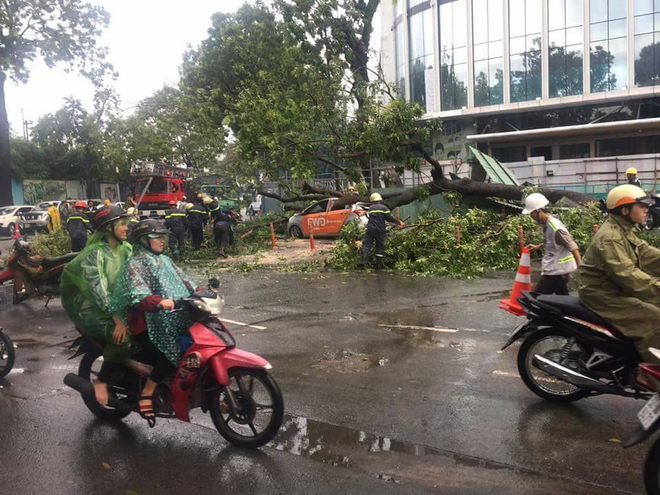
column 414, row 327
column 241, row 324
column 506, row 373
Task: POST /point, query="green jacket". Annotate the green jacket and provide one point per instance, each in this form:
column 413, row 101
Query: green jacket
column 618, row 263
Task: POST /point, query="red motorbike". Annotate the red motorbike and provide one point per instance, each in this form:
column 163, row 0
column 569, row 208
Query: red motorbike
column 649, row 417
column 234, row 386
column 33, row 273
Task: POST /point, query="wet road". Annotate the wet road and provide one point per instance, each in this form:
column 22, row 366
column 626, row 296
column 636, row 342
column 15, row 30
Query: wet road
column 392, row 385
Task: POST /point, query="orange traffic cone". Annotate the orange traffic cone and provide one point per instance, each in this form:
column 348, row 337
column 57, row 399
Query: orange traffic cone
column 522, row 282
column 312, row 244
column 17, row 232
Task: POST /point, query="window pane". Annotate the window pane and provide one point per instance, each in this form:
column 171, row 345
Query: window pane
column 556, row 14
column 517, row 45
column 644, row 63
column 556, row 38
column 618, row 29
column 534, row 16
column 599, row 31
column 534, row 42
column 619, row 68
column 495, row 49
column 481, row 52
column 460, row 23
column 533, row 75
column 496, row 79
column 574, row 70
column 598, row 10
column 656, row 22
column 599, row 66
column 644, row 24
column 416, row 36
column 574, row 35
column 557, row 71
column 643, row 7
column 574, row 13
column 481, row 83
column 516, row 18
column 495, row 20
column 427, row 22
column 461, row 74
column 617, row 9
column 460, row 55
column 480, row 21
column 517, row 78
column 446, row 26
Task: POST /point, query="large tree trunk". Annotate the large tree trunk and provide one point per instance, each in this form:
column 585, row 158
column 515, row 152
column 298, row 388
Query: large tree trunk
column 6, row 197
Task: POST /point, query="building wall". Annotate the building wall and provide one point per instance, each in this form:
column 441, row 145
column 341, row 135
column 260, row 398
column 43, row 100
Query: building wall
column 463, row 58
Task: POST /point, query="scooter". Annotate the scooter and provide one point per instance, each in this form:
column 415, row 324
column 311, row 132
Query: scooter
column 7, row 354
column 569, row 353
column 33, row 272
column 649, row 418
column 234, row 386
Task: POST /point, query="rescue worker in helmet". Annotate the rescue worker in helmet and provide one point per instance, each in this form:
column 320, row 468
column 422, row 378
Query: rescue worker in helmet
column 148, row 282
column 176, row 222
column 619, row 273
column 379, row 214
column 197, row 217
column 87, row 285
column 77, row 225
column 561, row 256
column 631, row 173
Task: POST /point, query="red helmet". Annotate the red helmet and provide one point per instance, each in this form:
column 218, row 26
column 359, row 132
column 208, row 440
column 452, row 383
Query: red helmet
column 172, row 203
column 80, row 204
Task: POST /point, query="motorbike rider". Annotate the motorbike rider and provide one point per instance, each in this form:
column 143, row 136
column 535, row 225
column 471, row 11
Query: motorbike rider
column 86, row 285
column 77, row 225
column 197, row 216
column 379, row 214
column 561, row 256
column 631, row 174
column 150, row 281
column 619, row 274
column 176, row 222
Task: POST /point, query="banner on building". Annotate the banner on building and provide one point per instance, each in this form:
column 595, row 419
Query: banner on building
column 36, row 190
column 110, row 191
column 75, row 190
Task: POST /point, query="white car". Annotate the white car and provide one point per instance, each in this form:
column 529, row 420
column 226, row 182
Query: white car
column 9, row 217
column 37, row 218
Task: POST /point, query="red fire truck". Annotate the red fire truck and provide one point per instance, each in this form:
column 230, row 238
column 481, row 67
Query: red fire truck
column 155, row 186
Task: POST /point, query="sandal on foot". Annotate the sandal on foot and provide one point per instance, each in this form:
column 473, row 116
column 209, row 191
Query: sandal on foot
column 147, row 411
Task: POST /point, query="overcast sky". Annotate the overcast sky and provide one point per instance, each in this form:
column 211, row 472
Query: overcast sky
column 146, row 39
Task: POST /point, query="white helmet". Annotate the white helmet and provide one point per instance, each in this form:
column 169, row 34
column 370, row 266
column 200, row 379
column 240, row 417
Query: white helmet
column 535, row 201
column 626, row 195
column 375, row 197
column 130, row 210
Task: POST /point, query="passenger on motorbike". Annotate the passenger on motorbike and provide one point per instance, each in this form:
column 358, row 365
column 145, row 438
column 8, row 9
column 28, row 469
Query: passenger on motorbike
column 150, row 281
column 619, row 273
column 87, row 283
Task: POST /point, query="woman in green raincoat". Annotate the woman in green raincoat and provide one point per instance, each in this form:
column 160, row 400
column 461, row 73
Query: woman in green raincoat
column 148, row 283
column 87, row 283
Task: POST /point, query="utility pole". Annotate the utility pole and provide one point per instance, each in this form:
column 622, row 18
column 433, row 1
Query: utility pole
column 25, row 126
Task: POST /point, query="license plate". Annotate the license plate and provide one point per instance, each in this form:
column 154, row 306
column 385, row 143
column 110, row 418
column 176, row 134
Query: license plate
column 518, row 328
column 650, row 413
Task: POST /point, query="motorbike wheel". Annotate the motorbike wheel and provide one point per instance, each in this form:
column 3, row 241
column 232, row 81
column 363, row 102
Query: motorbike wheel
column 652, row 470
column 88, row 369
column 260, row 412
column 7, row 354
column 548, row 343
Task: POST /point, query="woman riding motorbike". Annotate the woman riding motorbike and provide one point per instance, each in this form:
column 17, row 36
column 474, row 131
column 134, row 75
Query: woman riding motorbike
column 150, row 282
column 619, row 273
column 86, row 285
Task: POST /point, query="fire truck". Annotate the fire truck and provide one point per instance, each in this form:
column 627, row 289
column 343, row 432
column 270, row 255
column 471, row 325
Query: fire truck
column 155, row 185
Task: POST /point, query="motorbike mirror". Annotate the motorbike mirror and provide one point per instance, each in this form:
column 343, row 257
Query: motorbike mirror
column 214, row 283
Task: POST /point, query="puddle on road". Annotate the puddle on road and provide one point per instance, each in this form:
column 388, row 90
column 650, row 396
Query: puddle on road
column 345, row 447
column 348, row 361
column 422, row 339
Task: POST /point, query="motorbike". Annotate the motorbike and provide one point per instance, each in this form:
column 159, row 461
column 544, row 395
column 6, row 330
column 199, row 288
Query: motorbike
column 33, row 273
column 569, row 353
column 234, row 386
column 7, row 354
column 649, row 418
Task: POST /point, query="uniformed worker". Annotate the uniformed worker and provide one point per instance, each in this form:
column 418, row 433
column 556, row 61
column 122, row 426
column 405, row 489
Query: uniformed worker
column 379, row 215
column 197, row 216
column 561, row 256
column 77, row 225
column 619, row 274
column 631, row 173
column 176, row 222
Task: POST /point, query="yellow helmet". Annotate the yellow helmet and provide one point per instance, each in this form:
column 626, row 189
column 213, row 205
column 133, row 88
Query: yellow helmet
column 106, row 202
column 626, row 195
column 631, row 171
column 375, row 197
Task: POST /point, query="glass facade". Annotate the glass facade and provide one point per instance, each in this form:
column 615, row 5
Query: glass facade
column 608, row 45
column 420, row 46
column 488, row 38
column 453, row 54
column 399, row 42
column 647, row 43
column 525, row 40
column 566, row 37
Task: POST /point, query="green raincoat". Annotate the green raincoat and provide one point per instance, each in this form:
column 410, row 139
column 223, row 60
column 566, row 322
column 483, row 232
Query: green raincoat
column 87, row 284
column 619, row 282
column 150, row 274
